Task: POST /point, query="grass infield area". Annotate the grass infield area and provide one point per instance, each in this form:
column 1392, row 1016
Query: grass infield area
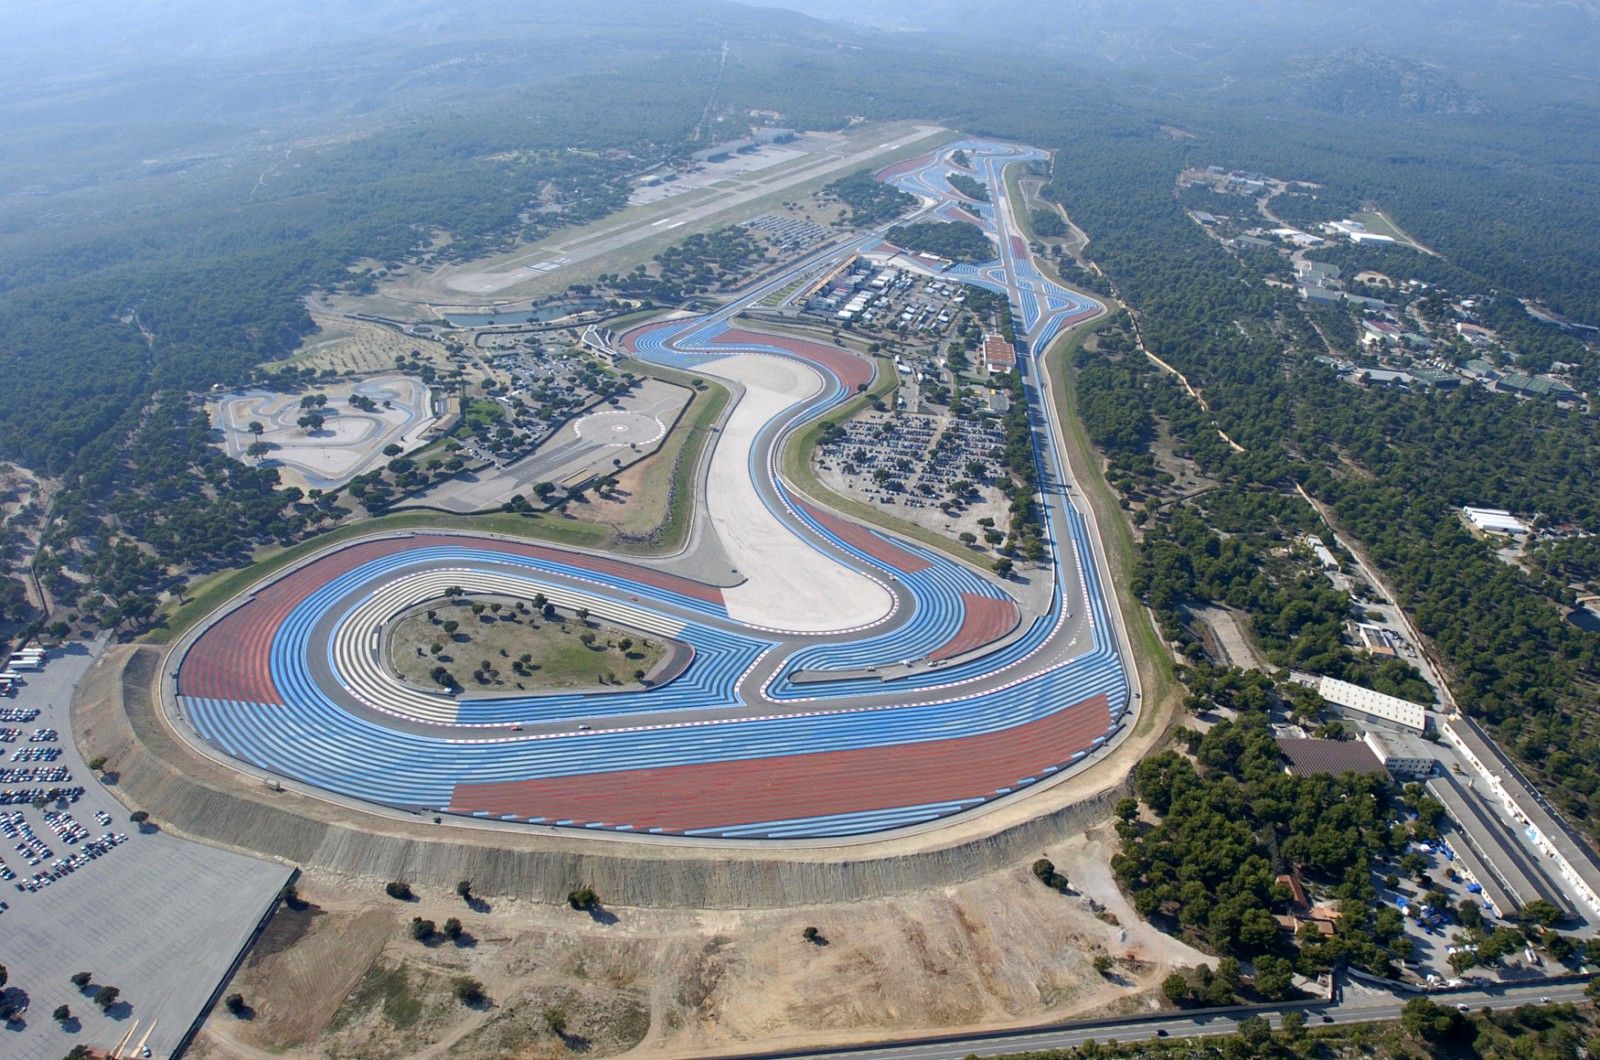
column 1121, row 548
column 495, row 644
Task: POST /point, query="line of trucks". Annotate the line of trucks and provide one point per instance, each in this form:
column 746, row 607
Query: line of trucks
column 24, row 660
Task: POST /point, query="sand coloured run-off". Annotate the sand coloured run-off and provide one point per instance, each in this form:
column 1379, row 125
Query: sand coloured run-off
column 789, row 585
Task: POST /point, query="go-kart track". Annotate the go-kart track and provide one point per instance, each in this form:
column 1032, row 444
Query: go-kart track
column 844, row 681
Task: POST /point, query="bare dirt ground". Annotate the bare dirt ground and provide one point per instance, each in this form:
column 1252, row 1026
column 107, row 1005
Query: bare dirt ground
column 343, row 976
column 21, row 489
column 1187, row 478
column 638, row 504
column 1229, row 637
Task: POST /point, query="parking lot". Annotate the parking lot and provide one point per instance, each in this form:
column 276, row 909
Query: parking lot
column 86, row 889
column 788, row 233
column 932, row 469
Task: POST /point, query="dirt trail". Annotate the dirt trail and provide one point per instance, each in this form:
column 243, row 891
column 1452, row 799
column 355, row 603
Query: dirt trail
column 1076, row 242
column 1138, row 337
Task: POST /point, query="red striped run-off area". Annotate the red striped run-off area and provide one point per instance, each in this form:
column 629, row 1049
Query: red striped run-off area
column 630, row 341
column 752, row 791
column 232, row 659
column 852, row 371
column 984, row 619
column 900, row 169
column 866, row 541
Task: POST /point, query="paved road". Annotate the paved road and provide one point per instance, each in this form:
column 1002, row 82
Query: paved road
column 156, row 916
column 1365, row 1008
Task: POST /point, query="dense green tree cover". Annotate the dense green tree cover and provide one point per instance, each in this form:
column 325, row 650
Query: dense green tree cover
column 1573, row 561
column 1113, row 404
column 699, row 263
column 955, row 240
column 15, row 610
column 869, row 201
column 98, row 317
column 163, row 484
column 1394, row 466
column 1295, row 614
column 1047, row 224
column 1238, row 208
column 969, row 186
column 1231, row 821
column 90, row 327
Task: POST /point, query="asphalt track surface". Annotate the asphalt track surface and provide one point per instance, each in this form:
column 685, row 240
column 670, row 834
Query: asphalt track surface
column 950, row 700
column 330, row 460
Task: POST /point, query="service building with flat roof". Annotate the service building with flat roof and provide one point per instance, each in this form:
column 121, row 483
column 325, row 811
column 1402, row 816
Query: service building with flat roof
column 1495, row 521
column 1309, row 757
column 1405, row 757
column 998, row 354
column 1375, row 705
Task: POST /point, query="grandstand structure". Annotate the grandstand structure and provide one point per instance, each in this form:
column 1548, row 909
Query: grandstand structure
column 964, row 690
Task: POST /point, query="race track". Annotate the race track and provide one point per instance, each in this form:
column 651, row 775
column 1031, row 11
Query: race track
column 846, row 682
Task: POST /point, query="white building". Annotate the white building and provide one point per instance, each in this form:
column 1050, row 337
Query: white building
column 1578, row 871
column 1495, row 521
column 1395, row 711
column 1375, row 639
column 1406, row 758
column 1318, row 549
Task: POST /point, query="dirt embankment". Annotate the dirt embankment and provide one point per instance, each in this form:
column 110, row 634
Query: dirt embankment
column 342, row 975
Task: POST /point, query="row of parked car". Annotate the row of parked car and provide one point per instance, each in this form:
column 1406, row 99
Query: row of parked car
column 63, row 867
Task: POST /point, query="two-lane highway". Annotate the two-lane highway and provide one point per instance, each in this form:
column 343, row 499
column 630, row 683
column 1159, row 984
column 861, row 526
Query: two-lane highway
column 1365, row 1007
